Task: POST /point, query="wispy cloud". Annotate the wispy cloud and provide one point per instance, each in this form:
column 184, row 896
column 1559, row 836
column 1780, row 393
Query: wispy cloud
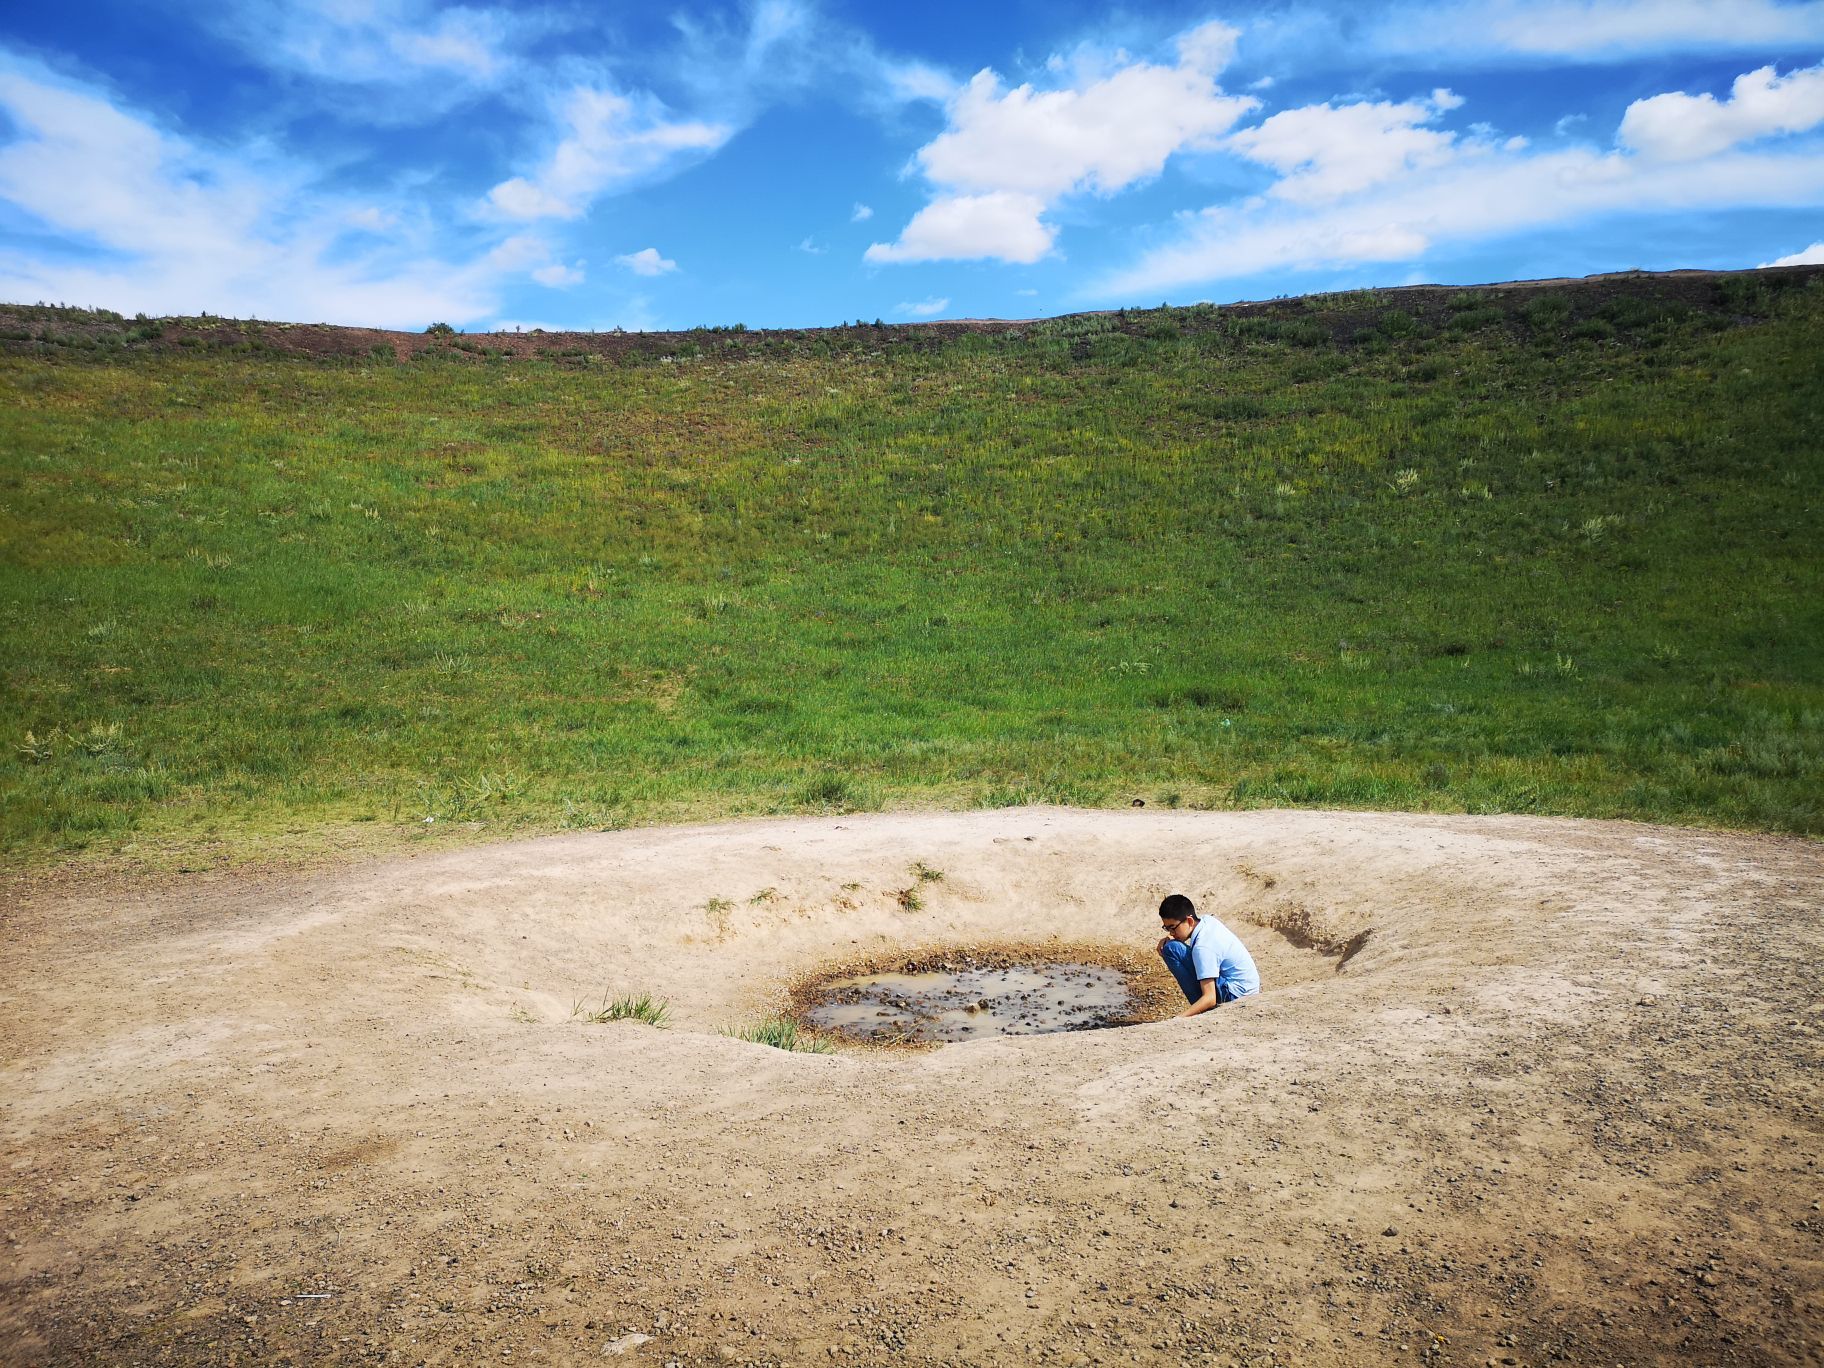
column 860, row 214
column 414, row 59
column 152, row 220
column 1571, row 30
column 559, row 276
column 608, row 141
column 924, row 308
column 605, row 135
column 1008, row 155
column 777, row 49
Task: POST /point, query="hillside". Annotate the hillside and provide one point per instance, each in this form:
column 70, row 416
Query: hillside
column 1546, row 548
column 1347, row 317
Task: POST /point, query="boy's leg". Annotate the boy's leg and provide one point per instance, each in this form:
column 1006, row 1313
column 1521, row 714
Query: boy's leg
column 1177, row 957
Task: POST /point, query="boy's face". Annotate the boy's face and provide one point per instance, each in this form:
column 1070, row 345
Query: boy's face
column 1178, row 928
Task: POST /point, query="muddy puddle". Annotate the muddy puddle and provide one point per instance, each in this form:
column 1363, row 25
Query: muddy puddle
column 965, row 1002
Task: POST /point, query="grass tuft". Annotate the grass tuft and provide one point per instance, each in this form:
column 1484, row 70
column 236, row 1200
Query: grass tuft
column 628, row 1007
column 782, row 1033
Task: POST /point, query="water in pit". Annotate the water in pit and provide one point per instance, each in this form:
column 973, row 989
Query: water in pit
column 963, row 1004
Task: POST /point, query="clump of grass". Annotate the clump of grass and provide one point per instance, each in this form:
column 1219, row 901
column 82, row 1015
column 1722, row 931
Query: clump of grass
column 627, row 1007
column 782, row 1033
column 717, row 910
column 98, row 741
column 829, row 792
column 908, row 899
column 925, row 873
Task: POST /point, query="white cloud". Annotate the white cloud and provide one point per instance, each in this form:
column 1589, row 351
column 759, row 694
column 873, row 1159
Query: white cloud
column 557, row 275
column 860, row 214
column 1103, row 137
column 1467, row 200
column 1007, row 155
column 909, row 82
column 1208, row 48
column 647, row 262
column 518, row 198
column 174, row 226
column 1324, row 152
column 1589, row 30
column 370, row 219
column 811, row 248
column 1000, row 225
column 519, row 252
column 608, row 141
column 1809, row 256
column 924, row 308
column 1761, row 104
column 1367, row 183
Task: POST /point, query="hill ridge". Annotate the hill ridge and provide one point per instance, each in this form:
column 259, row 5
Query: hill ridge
column 1342, row 313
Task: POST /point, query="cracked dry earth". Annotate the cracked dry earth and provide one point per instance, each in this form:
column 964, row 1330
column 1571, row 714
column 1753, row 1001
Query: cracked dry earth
column 1517, row 1091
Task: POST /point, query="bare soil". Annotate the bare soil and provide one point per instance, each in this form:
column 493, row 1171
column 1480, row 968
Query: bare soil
column 1153, row 995
column 1517, row 1090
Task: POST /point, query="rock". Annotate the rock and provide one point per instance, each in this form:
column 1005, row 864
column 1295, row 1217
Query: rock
column 1391, row 1231
column 727, row 1353
column 623, row 1344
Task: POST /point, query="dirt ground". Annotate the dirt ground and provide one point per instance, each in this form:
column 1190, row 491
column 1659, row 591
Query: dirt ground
column 1517, row 1091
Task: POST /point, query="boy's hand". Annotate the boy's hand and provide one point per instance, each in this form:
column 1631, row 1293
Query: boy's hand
column 1163, row 941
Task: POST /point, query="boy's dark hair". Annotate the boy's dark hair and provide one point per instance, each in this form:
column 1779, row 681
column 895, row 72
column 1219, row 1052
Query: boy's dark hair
column 1177, row 905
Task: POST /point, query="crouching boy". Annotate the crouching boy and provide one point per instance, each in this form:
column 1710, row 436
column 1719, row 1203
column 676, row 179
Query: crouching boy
column 1208, row 960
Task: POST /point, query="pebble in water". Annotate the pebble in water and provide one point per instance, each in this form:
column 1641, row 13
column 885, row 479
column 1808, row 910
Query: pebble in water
column 965, row 1004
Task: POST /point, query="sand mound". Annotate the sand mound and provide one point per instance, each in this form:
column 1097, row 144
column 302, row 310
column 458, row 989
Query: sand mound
column 1516, row 1088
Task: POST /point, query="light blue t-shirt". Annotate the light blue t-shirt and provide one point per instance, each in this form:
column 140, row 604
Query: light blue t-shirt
column 1217, row 953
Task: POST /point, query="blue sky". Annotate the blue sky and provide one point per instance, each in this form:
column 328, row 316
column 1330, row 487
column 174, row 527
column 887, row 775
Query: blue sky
column 805, row 162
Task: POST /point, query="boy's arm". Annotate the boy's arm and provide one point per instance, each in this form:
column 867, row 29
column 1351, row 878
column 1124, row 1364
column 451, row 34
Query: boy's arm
column 1204, row 1003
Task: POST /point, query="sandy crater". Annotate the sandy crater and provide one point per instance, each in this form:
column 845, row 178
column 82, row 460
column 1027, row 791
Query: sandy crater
column 1516, row 1088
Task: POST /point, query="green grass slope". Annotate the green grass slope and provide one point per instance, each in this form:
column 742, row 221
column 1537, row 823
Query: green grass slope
column 1550, row 550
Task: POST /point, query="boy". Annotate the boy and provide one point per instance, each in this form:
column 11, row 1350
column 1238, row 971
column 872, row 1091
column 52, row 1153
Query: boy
column 1208, row 960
